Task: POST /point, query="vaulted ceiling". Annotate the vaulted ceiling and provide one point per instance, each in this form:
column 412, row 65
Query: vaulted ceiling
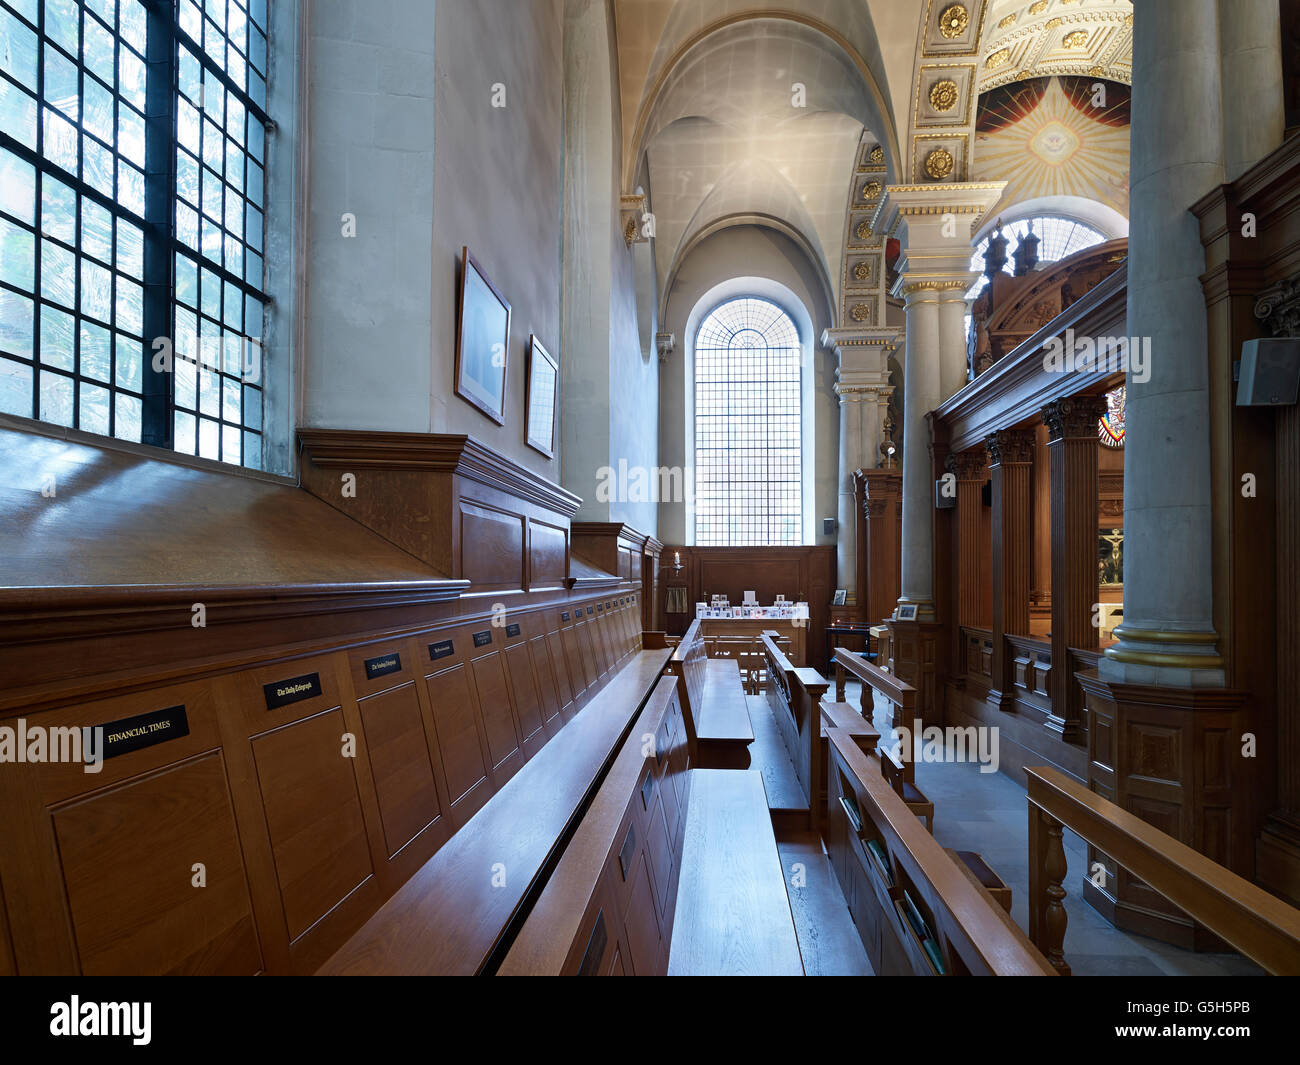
column 797, row 113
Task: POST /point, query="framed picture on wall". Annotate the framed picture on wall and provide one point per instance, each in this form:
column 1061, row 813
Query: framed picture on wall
column 482, row 341
column 841, row 597
column 907, row 613
column 543, row 397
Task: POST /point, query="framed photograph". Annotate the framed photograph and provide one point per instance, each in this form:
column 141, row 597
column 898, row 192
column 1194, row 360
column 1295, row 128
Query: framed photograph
column 482, row 341
column 907, row 613
column 543, row 397
column 841, row 597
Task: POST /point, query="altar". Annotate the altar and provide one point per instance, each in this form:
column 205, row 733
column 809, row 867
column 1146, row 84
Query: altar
column 720, row 620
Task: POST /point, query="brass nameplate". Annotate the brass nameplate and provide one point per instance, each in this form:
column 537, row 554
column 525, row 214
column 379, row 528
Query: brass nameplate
column 482, row 639
column 144, row 730
column 297, row 690
column 513, row 630
column 383, row 666
column 445, row 649
column 564, row 616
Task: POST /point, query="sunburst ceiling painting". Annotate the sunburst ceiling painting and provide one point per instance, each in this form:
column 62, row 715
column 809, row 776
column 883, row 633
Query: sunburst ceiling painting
column 1056, row 136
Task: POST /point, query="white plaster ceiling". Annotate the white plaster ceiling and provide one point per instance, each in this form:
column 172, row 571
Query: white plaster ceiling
column 723, row 140
column 1031, row 38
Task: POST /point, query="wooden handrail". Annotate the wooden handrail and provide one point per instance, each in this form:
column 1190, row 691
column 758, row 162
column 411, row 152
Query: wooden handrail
column 1262, row 927
column 683, row 645
column 897, row 691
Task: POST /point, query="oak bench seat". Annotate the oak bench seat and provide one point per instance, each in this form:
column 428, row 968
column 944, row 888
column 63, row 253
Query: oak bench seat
column 713, row 700
column 454, row 913
column 733, row 913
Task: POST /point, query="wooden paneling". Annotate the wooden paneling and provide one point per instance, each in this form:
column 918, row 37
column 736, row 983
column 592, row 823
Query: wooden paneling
column 548, row 556
column 400, row 765
column 461, row 745
column 528, row 706
column 795, row 572
column 488, row 681
column 129, row 858
column 313, row 815
column 491, row 547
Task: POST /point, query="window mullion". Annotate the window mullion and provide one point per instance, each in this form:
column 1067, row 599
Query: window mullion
column 159, row 206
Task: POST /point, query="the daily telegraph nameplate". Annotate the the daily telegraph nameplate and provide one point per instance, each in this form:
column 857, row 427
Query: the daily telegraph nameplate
column 144, row 730
column 287, row 692
column 383, row 666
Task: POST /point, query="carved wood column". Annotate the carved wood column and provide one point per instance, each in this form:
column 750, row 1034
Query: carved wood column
column 1040, row 594
column 882, row 493
column 1011, row 457
column 972, row 470
column 1072, row 442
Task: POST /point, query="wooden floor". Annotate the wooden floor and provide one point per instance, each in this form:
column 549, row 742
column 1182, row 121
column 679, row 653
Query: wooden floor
column 828, row 939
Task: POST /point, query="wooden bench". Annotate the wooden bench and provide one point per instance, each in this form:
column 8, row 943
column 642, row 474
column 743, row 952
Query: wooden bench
column 795, row 699
column 713, row 700
column 899, row 772
column 456, row 913
column 607, row 909
column 733, row 913
column 919, row 911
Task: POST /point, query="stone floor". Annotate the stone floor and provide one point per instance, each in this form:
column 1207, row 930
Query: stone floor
column 987, row 813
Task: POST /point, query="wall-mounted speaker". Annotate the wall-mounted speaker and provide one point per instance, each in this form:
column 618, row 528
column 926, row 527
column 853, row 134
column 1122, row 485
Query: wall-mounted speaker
column 1270, row 373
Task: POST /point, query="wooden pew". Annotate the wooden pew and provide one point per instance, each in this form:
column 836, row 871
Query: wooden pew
column 733, row 915
column 713, row 700
column 919, row 912
column 795, row 698
column 899, row 771
column 456, row 912
column 607, row 909
column 901, row 694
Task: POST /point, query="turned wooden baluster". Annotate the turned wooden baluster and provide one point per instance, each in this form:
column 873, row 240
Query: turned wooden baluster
column 1047, row 871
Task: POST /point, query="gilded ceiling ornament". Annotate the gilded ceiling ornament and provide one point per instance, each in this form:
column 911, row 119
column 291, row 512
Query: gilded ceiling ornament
column 877, row 155
column 871, row 190
column 1000, row 58
column 1052, row 23
column 953, row 21
column 1128, row 19
column 1010, row 20
column 631, row 231
column 1075, row 39
column 943, row 95
column 860, row 313
column 939, row 163
column 862, row 272
column 1038, row 7
column 864, row 230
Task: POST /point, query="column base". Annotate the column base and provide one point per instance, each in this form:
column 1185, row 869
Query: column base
column 1164, row 659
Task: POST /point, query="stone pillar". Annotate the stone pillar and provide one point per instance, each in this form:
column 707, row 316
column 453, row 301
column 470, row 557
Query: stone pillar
column 1168, row 635
column 972, row 471
column 862, row 377
column 1254, row 105
column 921, row 394
column 935, row 224
column 1072, row 442
column 1011, row 457
column 952, row 340
column 881, row 500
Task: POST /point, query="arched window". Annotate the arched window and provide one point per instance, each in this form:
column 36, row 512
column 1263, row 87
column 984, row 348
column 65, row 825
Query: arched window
column 1060, row 238
column 748, row 427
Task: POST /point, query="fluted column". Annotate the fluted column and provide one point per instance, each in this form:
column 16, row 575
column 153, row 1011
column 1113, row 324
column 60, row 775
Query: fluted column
column 1168, row 635
column 1011, row 457
column 972, row 471
column 1072, row 444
